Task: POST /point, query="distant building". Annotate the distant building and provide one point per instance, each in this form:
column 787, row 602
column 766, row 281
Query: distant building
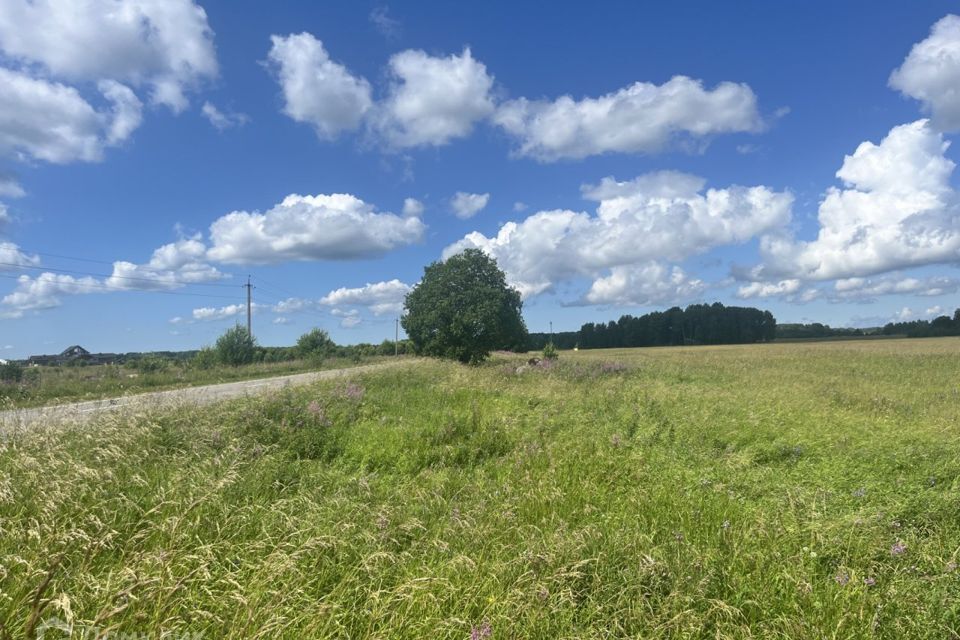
column 74, row 355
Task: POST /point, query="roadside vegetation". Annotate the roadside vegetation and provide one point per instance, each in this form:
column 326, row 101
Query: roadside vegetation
column 233, row 357
column 769, row 491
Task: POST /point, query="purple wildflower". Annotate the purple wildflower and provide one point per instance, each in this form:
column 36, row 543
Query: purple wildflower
column 898, row 549
column 482, row 632
column 612, row 367
column 842, row 579
column 318, row 412
column 859, row 493
column 352, row 392
column 869, row 582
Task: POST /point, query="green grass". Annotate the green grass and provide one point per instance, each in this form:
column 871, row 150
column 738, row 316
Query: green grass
column 57, row 385
column 775, row 491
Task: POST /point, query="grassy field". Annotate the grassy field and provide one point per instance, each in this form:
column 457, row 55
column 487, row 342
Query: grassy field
column 56, row 385
column 772, row 491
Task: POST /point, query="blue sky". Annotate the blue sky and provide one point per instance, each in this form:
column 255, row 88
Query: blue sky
column 614, row 159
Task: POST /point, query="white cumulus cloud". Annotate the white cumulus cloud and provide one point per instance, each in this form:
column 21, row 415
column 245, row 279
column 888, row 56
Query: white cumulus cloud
column 769, row 289
column 433, row 100
column 467, row 205
column 322, row 227
column 11, row 256
column 379, row 297
column 931, row 73
column 895, row 210
column 650, row 283
column 172, row 266
column 640, row 118
column 203, row 314
column 49, row 121
column 166, row 45
column 45, row 291
column 867, row 289
column 348, row 318
column 317, row 90
column 658, row 217
column 412, row 207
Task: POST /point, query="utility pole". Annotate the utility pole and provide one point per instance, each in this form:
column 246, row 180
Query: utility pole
column 249, row 308
column 396, row 340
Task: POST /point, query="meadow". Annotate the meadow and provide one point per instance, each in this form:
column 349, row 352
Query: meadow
column 766, row 491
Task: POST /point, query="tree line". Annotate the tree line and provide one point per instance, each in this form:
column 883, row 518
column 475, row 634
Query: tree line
column 697, row 324
column 815, row 330
column 939, row 326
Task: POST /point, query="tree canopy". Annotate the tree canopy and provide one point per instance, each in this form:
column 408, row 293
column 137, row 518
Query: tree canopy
column 463, row 309
column 235, row 347
column 316, row 344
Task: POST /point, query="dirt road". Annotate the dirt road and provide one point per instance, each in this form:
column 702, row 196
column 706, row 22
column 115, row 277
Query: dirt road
column 22, row 418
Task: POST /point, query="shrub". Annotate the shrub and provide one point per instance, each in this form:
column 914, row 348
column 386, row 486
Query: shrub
column 11, row 372
column 549, row 352
column 235, row 347
column 315, row 345
column 31, row 377
column 206, row 358
column 151, row 364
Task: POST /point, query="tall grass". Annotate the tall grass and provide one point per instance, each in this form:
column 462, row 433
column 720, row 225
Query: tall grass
column 787, row 491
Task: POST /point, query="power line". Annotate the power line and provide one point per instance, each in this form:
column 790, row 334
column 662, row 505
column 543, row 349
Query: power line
column 278, row 287
column 275, row 300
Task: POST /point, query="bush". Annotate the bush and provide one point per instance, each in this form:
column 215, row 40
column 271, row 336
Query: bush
column 11, row 372
column 315, row 345
column 31, row 377
column 206, row 358
column 151, row 364
column 235, row 347
column 549, row 351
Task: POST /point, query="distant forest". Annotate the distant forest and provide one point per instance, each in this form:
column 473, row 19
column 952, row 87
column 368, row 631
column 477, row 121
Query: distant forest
column 940, row 326
column 816, row 330
column 718, row 324
column 697, row 324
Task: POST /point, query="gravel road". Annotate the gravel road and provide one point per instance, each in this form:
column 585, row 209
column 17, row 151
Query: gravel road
column 78, row 411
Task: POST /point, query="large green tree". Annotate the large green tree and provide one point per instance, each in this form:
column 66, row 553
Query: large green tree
column 463, row 309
